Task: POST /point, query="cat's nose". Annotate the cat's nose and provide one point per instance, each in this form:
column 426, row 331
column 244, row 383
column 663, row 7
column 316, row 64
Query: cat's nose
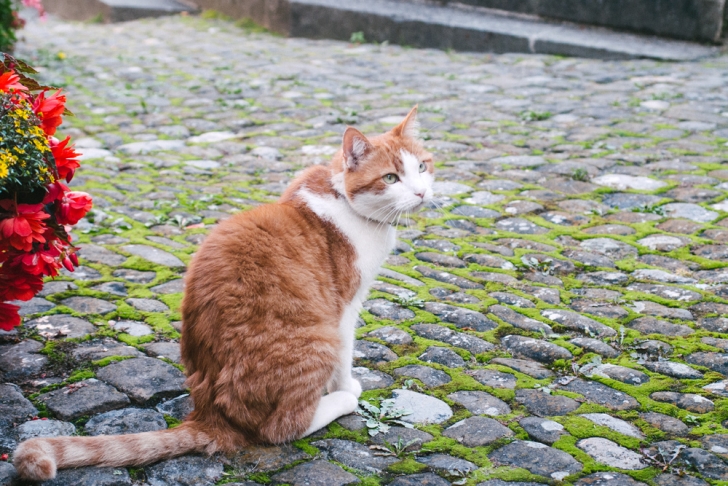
column 420, row 194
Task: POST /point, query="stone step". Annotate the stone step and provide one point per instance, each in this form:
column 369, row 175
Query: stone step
column 699, row 20
column 458, row 27
column 115, row 10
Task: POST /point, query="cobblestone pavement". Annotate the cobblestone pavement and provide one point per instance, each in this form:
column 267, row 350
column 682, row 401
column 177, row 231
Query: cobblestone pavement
column 556, row 316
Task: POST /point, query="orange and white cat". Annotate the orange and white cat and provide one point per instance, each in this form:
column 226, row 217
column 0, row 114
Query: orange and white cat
column 270, row 307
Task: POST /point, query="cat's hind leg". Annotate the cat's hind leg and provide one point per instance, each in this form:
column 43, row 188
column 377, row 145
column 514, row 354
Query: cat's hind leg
column 331, row 407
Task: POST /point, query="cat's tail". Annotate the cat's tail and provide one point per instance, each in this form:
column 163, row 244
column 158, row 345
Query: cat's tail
column 39, row 459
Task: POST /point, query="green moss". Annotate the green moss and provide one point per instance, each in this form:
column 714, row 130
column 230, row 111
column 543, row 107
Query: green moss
column 110, row 359
column 406, row 466
column 171, row 421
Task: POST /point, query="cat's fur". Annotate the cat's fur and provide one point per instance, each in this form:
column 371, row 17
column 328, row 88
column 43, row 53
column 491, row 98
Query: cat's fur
column 270, row 308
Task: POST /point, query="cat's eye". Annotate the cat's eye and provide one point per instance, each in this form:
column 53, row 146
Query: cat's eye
column 390, row 178
column 423, row 167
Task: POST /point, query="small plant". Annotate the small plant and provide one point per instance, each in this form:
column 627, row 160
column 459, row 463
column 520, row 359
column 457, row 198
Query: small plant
column 411, row 385
column 411, row 302
column 357, row 38
column 398, row 449
column 379, row 417
column 545, row 266
column 692, row 420
column 536, row 115
column 666, row 460
column 581, row 175
column 654, row 209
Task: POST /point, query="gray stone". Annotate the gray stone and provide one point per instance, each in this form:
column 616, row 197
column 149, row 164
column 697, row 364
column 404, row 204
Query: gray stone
column 609, row 247
column 619, row 373
column 493, row 378
column 667, row 479
column 96, row 476
column 537, row 458
column 480, row 403
column 184, row 471
column 395, row 434
column 145, row 380
column 425, row 409
column 103, row 348
column 521, row 226
column 133, row 328
column 528, row 367
column 544, row 404
column 693, row 212
column 388, row 310
column 607, row 452
column 448, row 278
column 18, row 361
column 676, row 370
column 36, row 305
column 542, row 430
column 370, row 351
column 596, row 346
column 602, row 394
column 114, row 288
column 477, row 431
column 154, row 255
column 371, row 379
column 14, row 407
column 267, row 458
column 353, row 455
column 577, row 322
column 426, row 479
column 665, row 423
column 461, row 317
column 8, row 474
column 148, row 305
column 86, row 397
column 392, row 335
column 99, row 254
column 443, row 356
column 617, row 425
column 172, row 287
column 536, row 349
column 44, row 428
column 315, row 473
column 650, row 325
column 447, row 464
column 518, row 320
column 135, row 276
column 461, row 340
column 429, row 376
column 688, row 401
column 125, row 421
column 89, row 305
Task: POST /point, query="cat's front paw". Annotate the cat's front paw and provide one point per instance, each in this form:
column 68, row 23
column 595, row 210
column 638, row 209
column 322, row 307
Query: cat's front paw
column 354, row 387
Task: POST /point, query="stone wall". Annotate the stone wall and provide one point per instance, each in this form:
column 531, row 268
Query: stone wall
column 700, row 20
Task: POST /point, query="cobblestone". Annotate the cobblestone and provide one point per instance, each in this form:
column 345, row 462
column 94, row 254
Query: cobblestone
column 580, row 223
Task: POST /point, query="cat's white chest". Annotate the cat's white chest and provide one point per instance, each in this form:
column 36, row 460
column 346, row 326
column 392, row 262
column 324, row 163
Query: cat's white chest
column 371, row 240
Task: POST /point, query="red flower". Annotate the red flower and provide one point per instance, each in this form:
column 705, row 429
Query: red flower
column 10, row 82
column 9, row 318
column 16, row 285
column 49, row 110
column 65, row 156
column 72, row 207
column 25, row 228
column 41, row 262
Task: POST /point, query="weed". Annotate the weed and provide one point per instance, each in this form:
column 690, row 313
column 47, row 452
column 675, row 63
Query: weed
column 379, row 418
column 411, row 302
column 357, row 38
column 398, row 449
column 581, row 175
column 666, row 460
column 536, row 115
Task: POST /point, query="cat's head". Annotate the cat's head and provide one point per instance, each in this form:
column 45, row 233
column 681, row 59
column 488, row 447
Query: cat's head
column 386, row 176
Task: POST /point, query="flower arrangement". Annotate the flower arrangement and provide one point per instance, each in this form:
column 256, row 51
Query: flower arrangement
column 37, row 209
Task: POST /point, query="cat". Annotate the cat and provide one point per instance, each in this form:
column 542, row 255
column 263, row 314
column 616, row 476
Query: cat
column 271, row 302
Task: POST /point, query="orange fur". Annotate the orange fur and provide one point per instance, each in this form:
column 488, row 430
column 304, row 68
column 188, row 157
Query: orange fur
column 265, row 300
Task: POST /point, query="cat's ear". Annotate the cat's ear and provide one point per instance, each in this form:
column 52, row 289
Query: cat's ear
column 409, row 127
column 356, row 147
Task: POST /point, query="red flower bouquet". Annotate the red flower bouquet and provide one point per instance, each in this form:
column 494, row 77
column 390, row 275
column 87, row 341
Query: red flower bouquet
column 36, row 209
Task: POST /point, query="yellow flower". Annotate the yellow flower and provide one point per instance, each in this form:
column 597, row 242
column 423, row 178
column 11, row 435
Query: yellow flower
column 3, row 169
column 61, row 55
